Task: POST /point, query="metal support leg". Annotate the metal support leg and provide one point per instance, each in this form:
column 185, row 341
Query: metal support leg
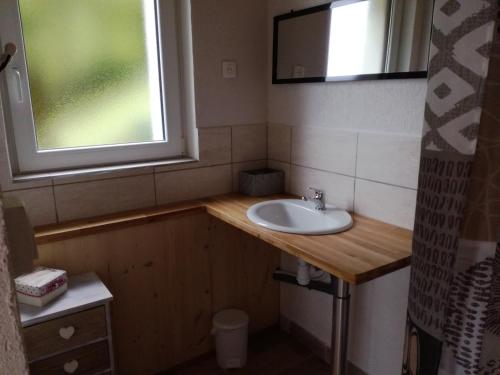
column 340, row 327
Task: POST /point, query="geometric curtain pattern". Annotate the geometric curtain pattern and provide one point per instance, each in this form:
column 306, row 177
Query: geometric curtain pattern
column 453, row 321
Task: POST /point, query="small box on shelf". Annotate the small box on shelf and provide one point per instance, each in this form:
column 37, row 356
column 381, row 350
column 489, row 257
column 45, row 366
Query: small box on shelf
column 261, row 182
column 41, row 286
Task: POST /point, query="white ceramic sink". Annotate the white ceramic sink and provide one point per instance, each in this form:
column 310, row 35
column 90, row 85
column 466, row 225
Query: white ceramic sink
column 300, row 217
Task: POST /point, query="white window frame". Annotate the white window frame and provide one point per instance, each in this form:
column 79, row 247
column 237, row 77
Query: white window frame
column 18, row 114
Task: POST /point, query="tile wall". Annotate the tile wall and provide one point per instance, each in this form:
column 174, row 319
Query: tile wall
column 358, row 171
column 372, row 174
column 223, row 152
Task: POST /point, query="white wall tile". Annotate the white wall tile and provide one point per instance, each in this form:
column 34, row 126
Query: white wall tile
column 338, row 189
column 389, row 158
column 214, row 146
column 193, row 183
column 245, row 166
column 279, row 142
column 249, row 142
column 325, row 149
column 285, row 167
column 391, row 204
column 39, row 204
column 88, row 199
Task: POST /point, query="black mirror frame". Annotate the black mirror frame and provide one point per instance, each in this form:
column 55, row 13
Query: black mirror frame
column 359, row 77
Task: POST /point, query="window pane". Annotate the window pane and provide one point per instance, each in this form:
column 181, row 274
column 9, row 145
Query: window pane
column 93, row 71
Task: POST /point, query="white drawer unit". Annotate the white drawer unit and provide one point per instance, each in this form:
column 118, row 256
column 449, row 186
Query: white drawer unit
column 71, row 335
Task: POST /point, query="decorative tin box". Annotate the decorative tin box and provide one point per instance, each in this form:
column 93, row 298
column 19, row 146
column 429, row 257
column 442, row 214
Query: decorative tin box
column 262, row 182
column 41, row 286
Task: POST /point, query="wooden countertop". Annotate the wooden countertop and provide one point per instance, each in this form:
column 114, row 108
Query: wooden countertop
column 368, row 250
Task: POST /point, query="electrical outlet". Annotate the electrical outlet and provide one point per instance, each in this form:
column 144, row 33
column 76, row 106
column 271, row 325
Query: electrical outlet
column 229, row 69
column 299, row 71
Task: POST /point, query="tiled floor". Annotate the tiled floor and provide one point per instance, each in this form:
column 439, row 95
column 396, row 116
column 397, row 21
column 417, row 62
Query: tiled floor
column 269, row 353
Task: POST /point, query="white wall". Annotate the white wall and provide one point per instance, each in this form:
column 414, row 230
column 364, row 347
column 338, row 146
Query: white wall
column 230, row 30
column 394, row 106
column 360, row 142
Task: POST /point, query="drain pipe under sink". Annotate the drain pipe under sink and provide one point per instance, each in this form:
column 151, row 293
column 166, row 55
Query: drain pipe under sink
column 306, row 273
column 307, row 276
column 303, row 276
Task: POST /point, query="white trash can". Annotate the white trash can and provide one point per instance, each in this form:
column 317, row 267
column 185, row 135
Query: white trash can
column 230, row 328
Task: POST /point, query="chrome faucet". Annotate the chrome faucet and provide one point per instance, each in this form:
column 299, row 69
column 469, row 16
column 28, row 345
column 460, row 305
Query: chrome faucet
column 318, row 198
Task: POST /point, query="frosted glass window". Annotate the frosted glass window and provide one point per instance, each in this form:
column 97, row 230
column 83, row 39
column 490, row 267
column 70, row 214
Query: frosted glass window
column 93, row 72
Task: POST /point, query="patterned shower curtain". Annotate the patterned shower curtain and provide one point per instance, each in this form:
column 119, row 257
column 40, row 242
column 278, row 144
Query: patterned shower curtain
column 453, row 324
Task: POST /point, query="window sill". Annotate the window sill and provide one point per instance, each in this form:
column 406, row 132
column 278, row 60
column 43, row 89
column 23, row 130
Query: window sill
column 27, row 177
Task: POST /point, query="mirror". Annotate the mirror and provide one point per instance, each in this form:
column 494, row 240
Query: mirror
column 348, row 40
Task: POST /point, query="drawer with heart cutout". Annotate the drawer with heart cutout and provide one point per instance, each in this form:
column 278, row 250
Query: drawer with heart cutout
column 68, row 332
column 90, row 359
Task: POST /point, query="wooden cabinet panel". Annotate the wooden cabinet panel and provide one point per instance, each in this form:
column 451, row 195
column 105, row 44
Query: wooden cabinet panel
column 65, row 333
column 242, row 274
column 168, row 277
column 91, row 359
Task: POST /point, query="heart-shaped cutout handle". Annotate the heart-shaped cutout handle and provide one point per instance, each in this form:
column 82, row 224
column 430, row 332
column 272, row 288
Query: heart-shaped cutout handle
column 66, row 332
column 71, row 366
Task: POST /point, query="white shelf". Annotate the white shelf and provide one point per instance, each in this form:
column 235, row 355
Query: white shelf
column 84, row 291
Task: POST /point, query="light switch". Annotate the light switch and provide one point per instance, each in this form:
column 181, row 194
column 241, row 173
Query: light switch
column 229, row 69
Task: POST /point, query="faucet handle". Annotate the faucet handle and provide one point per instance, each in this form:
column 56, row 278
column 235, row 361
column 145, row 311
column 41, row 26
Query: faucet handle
column 318, row 194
